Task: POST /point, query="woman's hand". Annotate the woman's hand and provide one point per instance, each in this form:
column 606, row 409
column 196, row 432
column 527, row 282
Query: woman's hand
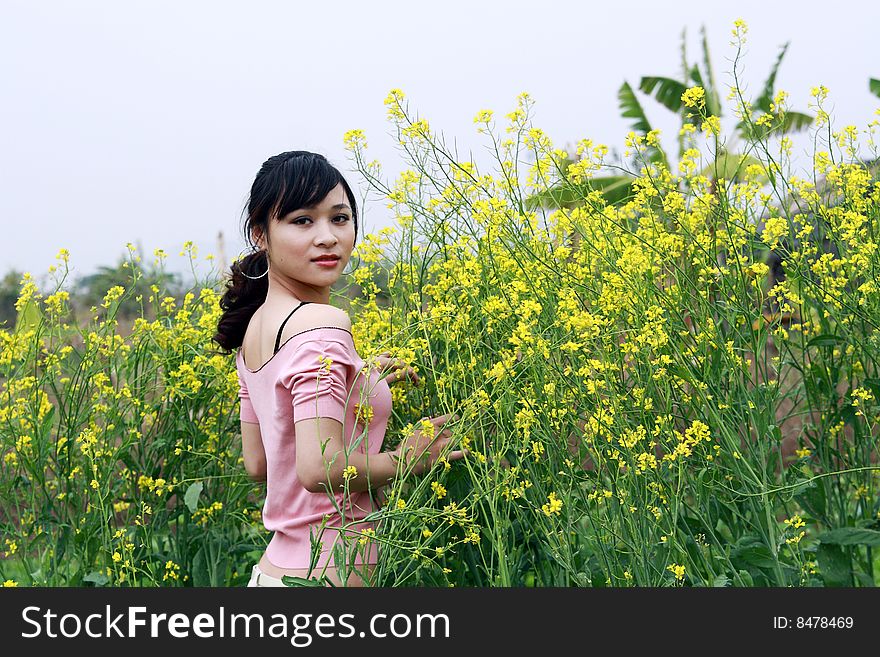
column 397, row 369
column 422, row 449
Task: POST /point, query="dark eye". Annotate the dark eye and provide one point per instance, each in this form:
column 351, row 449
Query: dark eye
column 298, row 219
column 344, row 217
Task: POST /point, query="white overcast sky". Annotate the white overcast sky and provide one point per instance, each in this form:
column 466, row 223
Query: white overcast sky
column 146, row 121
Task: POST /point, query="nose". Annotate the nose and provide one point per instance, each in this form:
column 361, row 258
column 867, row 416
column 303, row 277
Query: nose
column 325, row 236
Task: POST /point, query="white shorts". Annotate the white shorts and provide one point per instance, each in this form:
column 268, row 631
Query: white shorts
column 259, row 578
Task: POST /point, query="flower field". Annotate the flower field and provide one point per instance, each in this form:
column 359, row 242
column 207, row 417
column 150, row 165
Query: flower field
column 671, row 385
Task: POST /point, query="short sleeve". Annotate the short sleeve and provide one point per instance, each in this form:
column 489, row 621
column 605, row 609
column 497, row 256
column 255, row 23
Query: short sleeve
column 318, row 379
column 246, row 412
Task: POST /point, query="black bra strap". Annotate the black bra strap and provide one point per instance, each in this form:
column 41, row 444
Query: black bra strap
column 278, row 339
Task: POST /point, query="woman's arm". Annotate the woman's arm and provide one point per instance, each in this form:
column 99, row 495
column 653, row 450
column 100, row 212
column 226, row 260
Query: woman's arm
column 253, row 451
column 317, row 468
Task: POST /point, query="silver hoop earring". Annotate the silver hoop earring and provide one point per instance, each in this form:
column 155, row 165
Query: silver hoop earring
column 253, row 278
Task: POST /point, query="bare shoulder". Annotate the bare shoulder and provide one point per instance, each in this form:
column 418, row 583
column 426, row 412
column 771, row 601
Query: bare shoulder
column 316, row 315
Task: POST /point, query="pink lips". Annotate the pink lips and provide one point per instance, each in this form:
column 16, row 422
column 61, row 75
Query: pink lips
column 327, row 262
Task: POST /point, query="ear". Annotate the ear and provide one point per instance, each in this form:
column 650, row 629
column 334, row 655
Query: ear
column 258, row 237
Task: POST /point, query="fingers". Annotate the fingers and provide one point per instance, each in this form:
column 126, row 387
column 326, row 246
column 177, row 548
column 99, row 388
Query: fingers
column 396, row 369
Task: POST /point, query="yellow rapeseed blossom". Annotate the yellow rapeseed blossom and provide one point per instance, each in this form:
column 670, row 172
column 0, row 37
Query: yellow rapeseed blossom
column 366, row 535
column 677, row 570
column 774, row 228
column 350, row 472
column 694, row 97
column 439, row 490
column 172, row 571
column 483, row 116
column 740, row 29
column 354, row 140
column 553, row 505
column 795, row 522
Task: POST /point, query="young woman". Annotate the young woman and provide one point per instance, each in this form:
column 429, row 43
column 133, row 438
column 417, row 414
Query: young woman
column 301, row 377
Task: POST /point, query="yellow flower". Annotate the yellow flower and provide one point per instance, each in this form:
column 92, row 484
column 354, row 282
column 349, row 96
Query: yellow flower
column 438, row 489
column 394, row 103
column 113, row 294
column 740, row 29
column 354, row 140
column 694, row 97
column 9, row 583
column 554, row 505
column 795, row 522
column 349, row 473
column 366, row 535
column 363, row 413
column 483, row 116
column 676, row 570
column 172, row 571
column 774, row 228
column 326, row 362
column 711, row 124
column 537, row 450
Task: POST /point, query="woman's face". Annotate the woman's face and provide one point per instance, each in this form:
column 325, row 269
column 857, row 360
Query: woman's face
column 301, row 237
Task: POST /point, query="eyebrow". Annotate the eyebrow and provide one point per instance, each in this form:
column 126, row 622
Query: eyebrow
column 338, row 206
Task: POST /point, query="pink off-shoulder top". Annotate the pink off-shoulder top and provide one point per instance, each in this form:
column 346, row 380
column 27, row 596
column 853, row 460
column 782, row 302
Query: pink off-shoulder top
column 294, row 385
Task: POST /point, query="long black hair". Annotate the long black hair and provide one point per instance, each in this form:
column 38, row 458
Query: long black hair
column 286, row 182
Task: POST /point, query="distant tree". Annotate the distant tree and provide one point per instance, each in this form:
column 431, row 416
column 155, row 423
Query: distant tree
column 90, row 290
column 10, row 287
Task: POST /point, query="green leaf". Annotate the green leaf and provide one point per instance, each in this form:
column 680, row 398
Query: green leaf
column 200, row 574
column 763, row 101
column 615, row 189
column 29, row 317
column 721, row 581
column 793, row 122
column 97, row 578
column 874, row 86
column 865, row 580
column 713, row 100
column 834, row 565
column 631, row 108
column 851, row 536
column 825, row 340
column 813, row 499
column 665, row 91
column 191, row 497
column 728, row 166
column 302, row 581
column 753, row 551
column 873, row 384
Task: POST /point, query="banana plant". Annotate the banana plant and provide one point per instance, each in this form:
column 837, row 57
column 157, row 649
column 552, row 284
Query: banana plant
column 668, row 92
